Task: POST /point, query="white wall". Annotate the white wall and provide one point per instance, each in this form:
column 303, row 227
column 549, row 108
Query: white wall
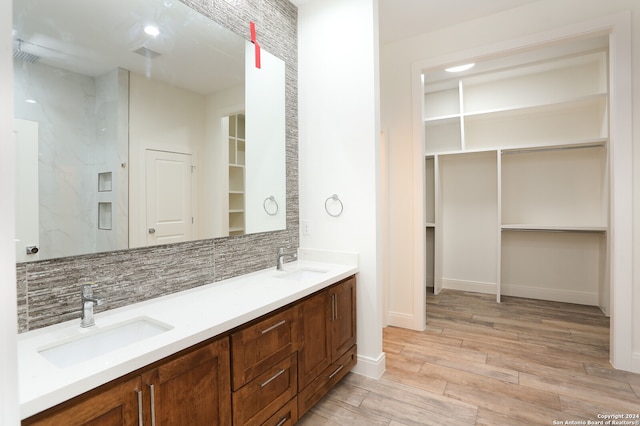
column 397, row 59
column 8, row 316
column 339, row 149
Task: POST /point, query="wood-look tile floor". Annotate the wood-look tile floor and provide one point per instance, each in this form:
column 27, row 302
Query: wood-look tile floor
column 520, row 362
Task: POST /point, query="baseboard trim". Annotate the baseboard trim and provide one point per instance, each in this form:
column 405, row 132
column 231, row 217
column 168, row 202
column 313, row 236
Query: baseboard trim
column 371, row 367
column 399, row 319
column 473, row 286
column 635, row 362
column 567, row 296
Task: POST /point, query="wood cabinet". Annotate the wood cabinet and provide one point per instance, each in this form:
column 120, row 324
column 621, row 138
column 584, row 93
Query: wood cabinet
column 315, row 354
column 263, row 397
column 265, row 367
column 260, row 345
column 114, row 404
column 343, row 318
column 328, row 352
column 516, row 176
column 267, row 372
column 191, row 387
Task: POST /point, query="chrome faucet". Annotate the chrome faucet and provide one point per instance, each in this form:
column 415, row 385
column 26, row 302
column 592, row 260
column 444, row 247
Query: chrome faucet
column 293, row 254
column 88, row 302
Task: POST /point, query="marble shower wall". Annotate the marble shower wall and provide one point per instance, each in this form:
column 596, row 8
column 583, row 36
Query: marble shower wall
column 49, row 291
column 64, row 105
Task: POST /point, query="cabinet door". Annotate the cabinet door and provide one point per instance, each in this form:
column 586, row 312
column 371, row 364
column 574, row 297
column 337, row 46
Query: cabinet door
column 110, row 405
column 192, row 389
column 314, row 355
column 343, row 317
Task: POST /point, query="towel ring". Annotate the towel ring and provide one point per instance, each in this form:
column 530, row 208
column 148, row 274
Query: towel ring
column 271, row 212
column 334, row 197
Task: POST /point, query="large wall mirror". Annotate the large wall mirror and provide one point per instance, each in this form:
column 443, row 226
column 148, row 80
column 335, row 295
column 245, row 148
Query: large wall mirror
column 141, row 122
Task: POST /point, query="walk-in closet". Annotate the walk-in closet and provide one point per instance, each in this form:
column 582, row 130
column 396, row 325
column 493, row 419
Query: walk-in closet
column 516, row 176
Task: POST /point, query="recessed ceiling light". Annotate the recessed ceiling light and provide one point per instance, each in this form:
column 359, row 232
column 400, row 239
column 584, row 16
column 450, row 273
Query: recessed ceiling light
column 31, row 101
column 152, row 30
column 460, row 68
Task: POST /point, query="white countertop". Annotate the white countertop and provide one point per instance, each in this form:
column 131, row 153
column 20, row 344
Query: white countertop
column 194, row 315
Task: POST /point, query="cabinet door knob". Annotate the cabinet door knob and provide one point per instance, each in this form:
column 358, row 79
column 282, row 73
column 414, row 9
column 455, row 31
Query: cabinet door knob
column 152, row 230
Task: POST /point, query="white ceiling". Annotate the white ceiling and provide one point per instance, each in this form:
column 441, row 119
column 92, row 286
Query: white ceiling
column 406, row 18
column 92, row 37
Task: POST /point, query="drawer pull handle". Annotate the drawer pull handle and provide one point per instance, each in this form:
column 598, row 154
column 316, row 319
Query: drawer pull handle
column 274, row 326
column 336, row 372
column 140, row 421
column 272, row 378
column 282, row 421
column 153, row 406
column 333, row 307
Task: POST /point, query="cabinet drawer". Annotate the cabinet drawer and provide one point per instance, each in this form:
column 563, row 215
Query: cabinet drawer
column 286, row 416
column 325, row 381
column 258, row 400
column 259, row 346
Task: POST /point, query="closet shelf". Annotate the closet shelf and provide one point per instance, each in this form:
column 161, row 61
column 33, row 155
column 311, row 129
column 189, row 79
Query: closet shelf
column 586, row 143
column 580, row 102
column 448, row 117
column 590, row 143
column 553, row 228
column 431, row 154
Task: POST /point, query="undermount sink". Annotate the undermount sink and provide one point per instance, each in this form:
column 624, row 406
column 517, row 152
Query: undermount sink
column 101, row 341
column 302, row 274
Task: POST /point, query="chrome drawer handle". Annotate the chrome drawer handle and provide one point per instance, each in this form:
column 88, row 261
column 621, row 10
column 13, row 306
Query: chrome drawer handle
column 336, row 372
column 140, row 421
column 153, row 406
column 275, row 376
column 334, row 314
column 273, row 327
column 283, row 421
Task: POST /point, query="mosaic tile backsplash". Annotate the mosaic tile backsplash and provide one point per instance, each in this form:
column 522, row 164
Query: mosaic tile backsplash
column 49, row 291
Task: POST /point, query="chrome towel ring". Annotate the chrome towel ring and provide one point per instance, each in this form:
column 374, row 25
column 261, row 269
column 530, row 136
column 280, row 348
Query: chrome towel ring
column 337, row 211
column 274, row 206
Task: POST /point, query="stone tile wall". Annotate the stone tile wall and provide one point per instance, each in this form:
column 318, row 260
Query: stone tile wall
column 49, row 290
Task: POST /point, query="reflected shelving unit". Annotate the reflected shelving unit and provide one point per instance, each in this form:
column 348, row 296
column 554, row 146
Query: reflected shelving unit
column 236, row 174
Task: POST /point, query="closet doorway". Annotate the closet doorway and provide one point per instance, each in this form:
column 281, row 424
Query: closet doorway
column 517, row 168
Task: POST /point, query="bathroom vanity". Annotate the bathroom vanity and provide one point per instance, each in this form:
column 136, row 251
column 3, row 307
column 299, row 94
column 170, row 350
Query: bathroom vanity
column 258, row 349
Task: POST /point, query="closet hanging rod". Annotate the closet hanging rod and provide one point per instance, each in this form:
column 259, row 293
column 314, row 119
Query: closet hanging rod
column 578, row 231
column 553, row 148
